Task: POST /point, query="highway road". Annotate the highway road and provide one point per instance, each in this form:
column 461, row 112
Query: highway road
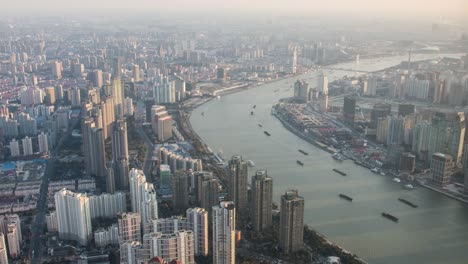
column 38, row 225
column 149, row 151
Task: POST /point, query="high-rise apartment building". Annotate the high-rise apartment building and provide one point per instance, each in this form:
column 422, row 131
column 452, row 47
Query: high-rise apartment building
column 291, row 222
column 43, row 143
column 129, row 227
column 27, row 146
column 237, row 182
column 107, row 205
column 3, row 250
column 262, row 198
column 349, row 110
column 73, row 216
column 224, row 233
column 441, row 167
column 198, row 221
column 93, row 148
column 120, row 154
column 180, row 191
column 14, row 148
column 117, row 93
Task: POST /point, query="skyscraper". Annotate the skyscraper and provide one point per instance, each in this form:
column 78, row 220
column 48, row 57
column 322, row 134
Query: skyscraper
column 209, row 192
column 349, row 109
column 116, row 67
column 178, row 246
column 93, row 148
column 291, row 222
column 198, row 220
column 456, row 137
column 14, row 148
column 129, row 227
column 262, row 196
column 149, row 206
column 73, row 216
column 224, row 233
column 117, row 93
column 120, row 153
column 180, row 192
column 57, row 70
column 237, row 182
column 137, row 189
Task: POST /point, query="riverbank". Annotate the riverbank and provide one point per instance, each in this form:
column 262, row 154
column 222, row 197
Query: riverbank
column 326, row 246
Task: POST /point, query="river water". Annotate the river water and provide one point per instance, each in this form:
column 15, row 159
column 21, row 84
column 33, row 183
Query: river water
column 436, row 232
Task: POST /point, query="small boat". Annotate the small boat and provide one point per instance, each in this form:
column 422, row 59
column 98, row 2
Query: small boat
column 382, row 173
column 266, row 133
column 260, row 125
column 251, row 163
column 303, row 152
column 346, row 197
column 202, row 113
column 255, row 106
column 251, row 112
column 409, row 187
column 375, row 170
column 396, row 180
column 408, row 202
column 339, row 172
column 300, row 162
column 338, row 156
column 389, row 216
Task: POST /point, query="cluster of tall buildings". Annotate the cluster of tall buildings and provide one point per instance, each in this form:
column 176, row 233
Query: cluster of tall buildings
column 318, row 95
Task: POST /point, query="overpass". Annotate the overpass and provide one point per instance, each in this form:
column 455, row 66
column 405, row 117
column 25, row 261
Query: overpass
column 343, row 69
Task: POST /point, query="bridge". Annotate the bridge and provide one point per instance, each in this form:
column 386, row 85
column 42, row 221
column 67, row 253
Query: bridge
column 343, row 69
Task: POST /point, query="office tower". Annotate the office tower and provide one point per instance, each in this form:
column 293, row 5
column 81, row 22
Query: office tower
column 57, row 70
column 3, row 250
column 349, row 109
column 178, row 246
column 294, row 61
column 209, row 192
column 441, row 167
column 447, row 135
column 50, row 95
column 301, row 91
column 406, row 109
column 43, row 143
column 116, row 67
column 73, row 216
column 93, row 148
column 262, row 197
column 237, row 182
column 129, row 227
column 407, row 162
column 52, row 221
column 165, row 176
column 323, row 84
column 224, row 233
column 180, row 192
column 291, row 222
column 180, row 89
column 117, row 92
column 13, row 237
column 27, row 146
column 136, row 73
column 456, row 137
column 120, row 153
column 221, row 75
column 107, row 205
column 164, row 128
column 198, row 220
column 14, row 148
column 380, row 110
column 59, row 92
column 137, row 189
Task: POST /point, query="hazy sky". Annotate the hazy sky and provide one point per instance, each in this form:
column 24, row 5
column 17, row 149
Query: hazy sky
column 417, row 8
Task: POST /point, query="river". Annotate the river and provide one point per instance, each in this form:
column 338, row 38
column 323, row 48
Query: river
column 436, row 232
